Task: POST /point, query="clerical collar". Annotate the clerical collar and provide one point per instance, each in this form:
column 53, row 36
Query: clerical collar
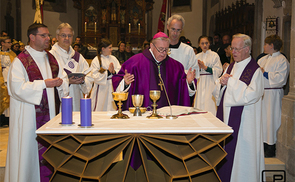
column 154, row 56
column 175, row 46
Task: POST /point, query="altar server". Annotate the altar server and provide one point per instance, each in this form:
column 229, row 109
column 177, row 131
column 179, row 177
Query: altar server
column 104, row 66
column 72, row 62
column 35, row 84
column 180, row 51
column 239, row 93
column 141, row 73
column 210, row 70
column 275, row 68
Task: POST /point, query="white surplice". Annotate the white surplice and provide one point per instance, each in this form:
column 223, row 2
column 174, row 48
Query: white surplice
column 101, row 94
column 186, row 56
column 206, row 83
column 65, row 59
column 249, row 155
column 277, row 67
column 22, row 162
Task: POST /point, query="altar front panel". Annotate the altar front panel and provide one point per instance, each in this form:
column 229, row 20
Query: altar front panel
column 185, row 149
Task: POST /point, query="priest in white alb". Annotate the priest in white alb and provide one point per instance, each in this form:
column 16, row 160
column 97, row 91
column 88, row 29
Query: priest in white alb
column 72, row 62
column 35, row 84
column 238, row 93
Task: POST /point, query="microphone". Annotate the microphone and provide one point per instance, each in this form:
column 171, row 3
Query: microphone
column 162, row 85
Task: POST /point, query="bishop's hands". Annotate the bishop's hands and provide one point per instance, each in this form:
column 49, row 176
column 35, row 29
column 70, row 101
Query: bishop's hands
column 53, row 82
column 202, row 65
column 128, row 78
column 190, row 76
column 224, row 79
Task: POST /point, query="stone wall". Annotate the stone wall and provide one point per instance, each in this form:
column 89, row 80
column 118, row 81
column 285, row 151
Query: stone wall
column 286, row 133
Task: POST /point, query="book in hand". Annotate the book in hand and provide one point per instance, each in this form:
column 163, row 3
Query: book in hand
column 179, row 110
column 79, row 75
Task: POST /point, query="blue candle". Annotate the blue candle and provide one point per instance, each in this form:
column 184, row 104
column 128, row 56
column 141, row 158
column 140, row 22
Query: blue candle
column 85, row 112
column 67, row 110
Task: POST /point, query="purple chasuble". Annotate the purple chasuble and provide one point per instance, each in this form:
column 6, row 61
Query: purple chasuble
column 76, row 58
column 225, row 167
column 146, row 77
column 42, row 110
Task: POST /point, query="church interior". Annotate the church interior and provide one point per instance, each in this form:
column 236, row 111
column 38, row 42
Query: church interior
column 137, row 21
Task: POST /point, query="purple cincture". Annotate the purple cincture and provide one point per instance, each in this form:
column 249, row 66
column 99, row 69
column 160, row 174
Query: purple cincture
column 85, row 112
column 67, row 110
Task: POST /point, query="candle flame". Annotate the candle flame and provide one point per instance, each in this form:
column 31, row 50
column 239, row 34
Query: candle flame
column 85, row 97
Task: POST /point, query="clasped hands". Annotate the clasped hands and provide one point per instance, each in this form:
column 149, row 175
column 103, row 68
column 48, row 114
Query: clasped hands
column 202, row 65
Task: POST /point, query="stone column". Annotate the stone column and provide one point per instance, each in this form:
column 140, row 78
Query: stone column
column 286, row 133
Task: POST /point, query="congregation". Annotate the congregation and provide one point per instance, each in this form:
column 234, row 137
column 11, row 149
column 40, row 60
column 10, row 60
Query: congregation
column 219, row 76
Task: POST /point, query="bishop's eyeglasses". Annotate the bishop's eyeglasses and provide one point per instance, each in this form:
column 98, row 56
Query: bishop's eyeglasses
column 162, row 50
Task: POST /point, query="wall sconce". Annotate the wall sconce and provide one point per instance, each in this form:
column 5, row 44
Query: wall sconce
column 272, row 24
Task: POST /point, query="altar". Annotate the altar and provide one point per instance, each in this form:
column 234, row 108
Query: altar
column 185, row 149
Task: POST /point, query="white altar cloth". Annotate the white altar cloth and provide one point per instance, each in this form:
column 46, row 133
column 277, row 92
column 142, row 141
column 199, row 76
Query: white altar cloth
column 102, row 124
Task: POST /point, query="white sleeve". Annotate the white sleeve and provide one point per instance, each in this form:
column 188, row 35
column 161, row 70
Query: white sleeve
column 19, row 86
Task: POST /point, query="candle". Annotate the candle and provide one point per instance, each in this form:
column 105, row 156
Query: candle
column 95, row 27
column 138, row 28
column 67, row 110
column 85, row 111
column 129, row 27
column 85, row 26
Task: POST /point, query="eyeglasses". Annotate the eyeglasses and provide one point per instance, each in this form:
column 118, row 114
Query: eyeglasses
column 65, row 35
column 236, row 49
column 175, row 30
column 162, row 50
column 45, row 35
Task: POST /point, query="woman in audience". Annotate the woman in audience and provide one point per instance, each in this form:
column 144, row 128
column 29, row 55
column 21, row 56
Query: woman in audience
column 210, row 70
column 104, row 66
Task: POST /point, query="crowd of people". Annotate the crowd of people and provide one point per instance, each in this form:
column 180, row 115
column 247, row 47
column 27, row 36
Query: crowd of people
column 220, row 76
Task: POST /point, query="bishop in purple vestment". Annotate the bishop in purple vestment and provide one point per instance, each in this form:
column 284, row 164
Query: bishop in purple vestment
column 140, row 74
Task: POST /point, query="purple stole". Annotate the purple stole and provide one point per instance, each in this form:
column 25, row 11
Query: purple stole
column 225, row 167
column 76, row 58
column 42, row 110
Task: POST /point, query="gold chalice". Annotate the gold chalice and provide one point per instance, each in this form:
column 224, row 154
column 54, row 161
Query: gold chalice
column 120, row 96
column 155, row 95
column 137, row 101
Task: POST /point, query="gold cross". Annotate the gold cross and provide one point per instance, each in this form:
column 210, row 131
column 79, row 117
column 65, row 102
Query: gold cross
column 161, row 85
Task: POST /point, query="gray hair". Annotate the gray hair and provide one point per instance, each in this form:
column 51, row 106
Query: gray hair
column 161, row 38
column 246, row 38
column 64, row 25
column 177, row 17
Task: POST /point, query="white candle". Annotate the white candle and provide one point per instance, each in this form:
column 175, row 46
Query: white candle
column 85, row 26
column 138, row 28
column 95, row 27
column 129, row 27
